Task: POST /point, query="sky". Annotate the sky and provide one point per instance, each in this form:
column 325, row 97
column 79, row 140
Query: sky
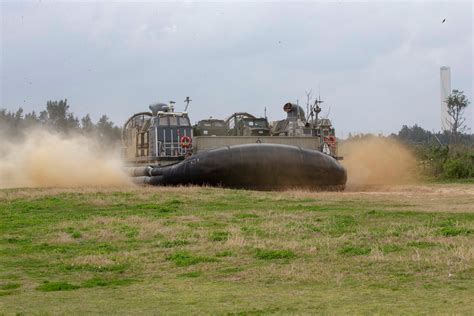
column 374, row 64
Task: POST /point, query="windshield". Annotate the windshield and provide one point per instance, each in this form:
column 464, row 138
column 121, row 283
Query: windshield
column 213, row 124
column 256, row 123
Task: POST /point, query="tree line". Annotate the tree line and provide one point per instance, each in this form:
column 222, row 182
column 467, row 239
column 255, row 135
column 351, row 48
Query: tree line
column 447, row 154
column 57, row 117
column 443, row 155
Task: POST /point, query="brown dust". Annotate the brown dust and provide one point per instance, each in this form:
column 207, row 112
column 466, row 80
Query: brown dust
column 378, row 161
column 45, row 159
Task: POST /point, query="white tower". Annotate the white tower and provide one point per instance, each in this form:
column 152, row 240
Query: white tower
column 445, row 75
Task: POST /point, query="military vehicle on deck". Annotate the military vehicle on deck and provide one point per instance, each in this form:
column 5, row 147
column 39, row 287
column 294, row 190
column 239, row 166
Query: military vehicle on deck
column 211, row 127
column 245, row 124
column 238, row 124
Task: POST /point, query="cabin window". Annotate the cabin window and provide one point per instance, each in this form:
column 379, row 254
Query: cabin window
column 326, row 132
column 260, row 123
column 183, row 121
column 163, row 121
column 173, row 121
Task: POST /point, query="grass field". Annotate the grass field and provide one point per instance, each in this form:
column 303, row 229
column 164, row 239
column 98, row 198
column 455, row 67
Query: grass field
column 402, row 250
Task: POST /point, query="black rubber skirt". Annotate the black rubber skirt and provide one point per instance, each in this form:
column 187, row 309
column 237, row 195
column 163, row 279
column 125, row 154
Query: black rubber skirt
column 253, row 166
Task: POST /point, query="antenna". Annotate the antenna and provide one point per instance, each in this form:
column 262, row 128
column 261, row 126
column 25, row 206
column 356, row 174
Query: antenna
column 187, row 103
column 317, row 109
column 308, row 101
column 265, row 112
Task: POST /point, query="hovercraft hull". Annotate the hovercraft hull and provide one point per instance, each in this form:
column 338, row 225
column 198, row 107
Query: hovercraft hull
column 252, row 166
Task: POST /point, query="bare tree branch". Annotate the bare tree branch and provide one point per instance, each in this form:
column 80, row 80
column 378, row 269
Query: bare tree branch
column 457, row 102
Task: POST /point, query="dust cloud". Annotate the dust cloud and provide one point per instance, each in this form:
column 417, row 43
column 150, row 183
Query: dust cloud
column 375, row 160
column 45, row 159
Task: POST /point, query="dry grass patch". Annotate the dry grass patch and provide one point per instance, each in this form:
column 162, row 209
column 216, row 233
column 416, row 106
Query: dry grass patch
column 61, row 238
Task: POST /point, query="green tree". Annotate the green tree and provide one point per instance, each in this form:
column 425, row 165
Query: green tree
column 87, row 125
column 72, row 123
column 108, row 133
column 43, row 117
column 7, row 123
column 57, row 117
column 414, row 134
column 30, row 120
column 57, row 111
column 457, row 102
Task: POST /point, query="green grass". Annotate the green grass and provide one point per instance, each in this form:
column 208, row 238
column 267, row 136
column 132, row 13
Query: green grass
column 450, row 228
column 272, row 254
column 57, row 286
column 191, row 250
column 441, row 180
column 98, row 281
column 391, row 248
column 225, row 253
column 193, row 274
column 120, row 267
column 184, row 258
column 354, row 250
column 9, row 286
column 93, row 282
column 173, row 243
column 219, row 236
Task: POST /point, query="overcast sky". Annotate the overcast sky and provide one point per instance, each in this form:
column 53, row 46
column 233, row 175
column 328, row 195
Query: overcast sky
column 376, row 64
